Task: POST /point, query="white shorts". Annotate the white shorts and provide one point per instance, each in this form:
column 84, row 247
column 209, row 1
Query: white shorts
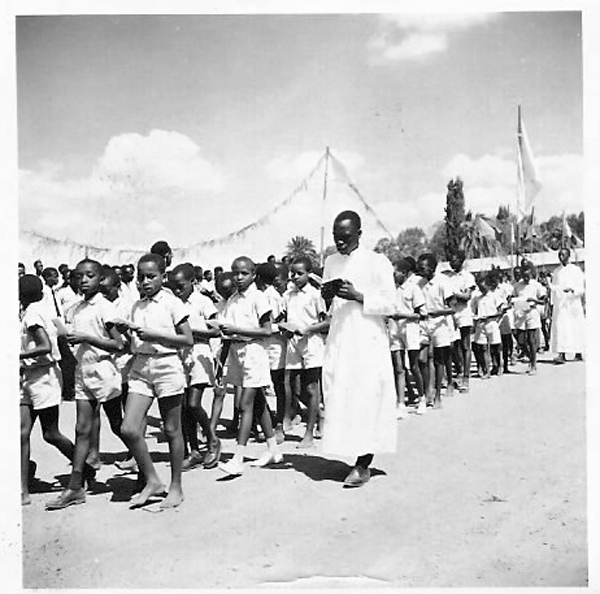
column 487, row 333
column 439, row 332
column 99, row 380
column 157, row 376
column 248, row 365
column 276, row 349
column 198, row 365
column 41, row 386
column 507, row 322
column 305, row 352
column 407, row 338
column 529, row 320
column 124, row 363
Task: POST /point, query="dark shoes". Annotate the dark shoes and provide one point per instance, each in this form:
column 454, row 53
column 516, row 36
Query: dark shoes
column 67, row 498
column 358, row 477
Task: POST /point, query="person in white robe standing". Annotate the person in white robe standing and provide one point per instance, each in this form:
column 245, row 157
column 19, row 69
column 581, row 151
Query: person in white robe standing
column 567, row 334
column 358, row 380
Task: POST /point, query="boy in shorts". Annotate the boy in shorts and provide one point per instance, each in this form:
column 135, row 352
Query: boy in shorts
column 305, row 315
column 438, row 293
column 159, row 327
column 245, row 323
column 198, row 366
column 39, row 378
column 97, row 381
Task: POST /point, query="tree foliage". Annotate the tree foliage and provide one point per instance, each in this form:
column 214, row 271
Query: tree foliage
column 302, row 246
column 455, row 216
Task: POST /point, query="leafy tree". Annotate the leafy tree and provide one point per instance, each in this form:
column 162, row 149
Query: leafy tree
column 412, row 242
column 455, row 216
column 302, row 246
column 389, row 247
column 437, row 242
column 480, row 237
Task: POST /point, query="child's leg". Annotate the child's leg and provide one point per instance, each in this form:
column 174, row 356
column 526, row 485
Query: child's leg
column 506, row 348
column 486, row 361
column 310, row 381
column 26, row 425
column 51, row 432
column 478, row 352
column 133, row 430
column 93, row 458
column 457, row 356
column 399, row 375
column 278, row 379
column 112, row 408
column 246, row 415
column 533, row 342
column 424, row 356
column 496, row 358
column 415, row 369
column 217, row 407
column 170, row 412
column 465, row 345
column 439, row 365
column 447, row 355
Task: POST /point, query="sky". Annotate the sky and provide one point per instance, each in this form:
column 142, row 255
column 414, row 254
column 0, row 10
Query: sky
column 188, row 128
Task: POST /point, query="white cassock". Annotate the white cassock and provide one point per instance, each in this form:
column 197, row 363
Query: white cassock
column 567, row 334
column 358, row 379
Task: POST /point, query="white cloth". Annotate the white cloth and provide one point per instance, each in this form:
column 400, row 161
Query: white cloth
column 568, row 330
column 358, row 379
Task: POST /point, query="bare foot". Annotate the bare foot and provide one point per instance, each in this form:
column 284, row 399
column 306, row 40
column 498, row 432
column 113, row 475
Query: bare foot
column 25, row 499
column 173, row 499
column 307, row 442
column 148, row 491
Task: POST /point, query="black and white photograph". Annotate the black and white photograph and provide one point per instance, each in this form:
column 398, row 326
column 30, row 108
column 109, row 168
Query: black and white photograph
column 305, row 296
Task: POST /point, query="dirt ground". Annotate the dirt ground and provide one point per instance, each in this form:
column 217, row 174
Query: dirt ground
column 489, row 491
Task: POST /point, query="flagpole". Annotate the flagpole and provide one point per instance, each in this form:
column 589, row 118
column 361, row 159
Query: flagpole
column 323, row 206
column 518, row 236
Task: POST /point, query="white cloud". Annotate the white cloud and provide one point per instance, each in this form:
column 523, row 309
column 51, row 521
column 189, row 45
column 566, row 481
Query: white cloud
column 416, row 36
column 490, row 181
column 136, row 177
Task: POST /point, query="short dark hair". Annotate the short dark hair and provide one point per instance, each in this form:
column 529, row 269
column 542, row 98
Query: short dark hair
column 47, row 272
column 402, row 264
column 30, row 288
column 95, row 263
column 109, row 273
column 308, row 265
column 266, row 272
column 161, row 248
column 63, row 267
column 412, row 262
column 155, row 259
column 349, row 215
column 245, row 259
column 186, row 269
column 429, row 258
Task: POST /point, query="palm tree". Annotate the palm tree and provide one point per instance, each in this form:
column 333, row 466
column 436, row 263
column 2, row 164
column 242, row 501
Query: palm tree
column 302, row 246
column 480, row 238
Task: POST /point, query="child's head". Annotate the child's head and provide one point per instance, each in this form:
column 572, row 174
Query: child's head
column 225, row 285
column 281, row 279
column 198, row 273
column 300, row 268
column 402, row 268
column 265, row 275
column 208, row 275
column 38, row 267
column 481, row 282
column 490, row 280
column 64, row 272
column 50, row 276
column 127, row 273
column 244, row 273
column 162, row 248
column 183, row 280
column 527, row 271
column 117, row 270
column 150, row 274
column 109, row 282
column 412, row 263
column 30, row 289
column 218, row 271
column 88, row 276
column 426, row 265
column 457, row 260
column 21, row 269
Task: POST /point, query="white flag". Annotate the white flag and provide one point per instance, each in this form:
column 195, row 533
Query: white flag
column 528, row 183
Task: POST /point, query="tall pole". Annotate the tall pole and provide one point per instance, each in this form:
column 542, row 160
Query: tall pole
column 323, row 207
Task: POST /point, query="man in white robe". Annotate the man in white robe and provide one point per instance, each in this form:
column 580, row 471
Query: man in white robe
column 567, row 334
column 358, row 379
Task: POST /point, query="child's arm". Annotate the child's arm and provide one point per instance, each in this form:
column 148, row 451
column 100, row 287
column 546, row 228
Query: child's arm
column 209, row 333
column 43, row 346
column 264, row 331
column 182, row 337
column 114, row 344
column 319, row 327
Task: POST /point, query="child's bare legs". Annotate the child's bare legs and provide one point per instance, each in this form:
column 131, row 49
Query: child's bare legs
column 399, row 375
column 496, row 358
column 447, row 359
column 533, row 342
column 26, row 425
column 217, row 407
column 278, row 380
column 507, row 344
column 132, row 430
column 170, row 412
column 415, row 369
column 93, row 458
column 465, row 348
column 486, row 359
column 310, row 380
column 424, row 366
column 51, row 433
column 439, row 362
